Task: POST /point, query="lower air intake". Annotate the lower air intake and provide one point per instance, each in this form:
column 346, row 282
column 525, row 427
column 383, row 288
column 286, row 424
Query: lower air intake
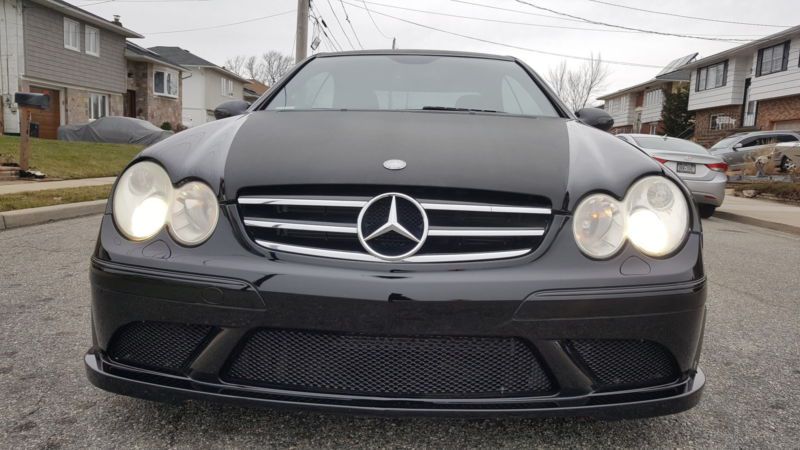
column 159, row 346
column 621, row 364
column 430, row 366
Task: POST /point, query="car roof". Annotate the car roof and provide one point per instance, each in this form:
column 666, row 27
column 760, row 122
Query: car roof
column 635, row 135
column 416, row 52
column 763, row 133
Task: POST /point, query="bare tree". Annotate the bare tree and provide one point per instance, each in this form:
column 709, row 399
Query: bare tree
column 576, row 87
column 253, row 69
column 236, row 64
column 274, row 65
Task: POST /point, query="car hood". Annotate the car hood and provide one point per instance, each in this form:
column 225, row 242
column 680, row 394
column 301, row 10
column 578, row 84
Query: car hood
column 556, row 158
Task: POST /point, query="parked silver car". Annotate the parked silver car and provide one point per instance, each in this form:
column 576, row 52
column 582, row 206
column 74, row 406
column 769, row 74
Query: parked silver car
column 742, row 148
column 702, row 172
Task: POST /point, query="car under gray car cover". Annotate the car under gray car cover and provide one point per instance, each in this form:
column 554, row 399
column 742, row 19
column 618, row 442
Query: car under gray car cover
column 118, row 130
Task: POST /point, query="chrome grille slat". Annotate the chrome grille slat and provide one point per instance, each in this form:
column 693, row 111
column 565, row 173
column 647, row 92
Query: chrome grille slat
column 325, row 225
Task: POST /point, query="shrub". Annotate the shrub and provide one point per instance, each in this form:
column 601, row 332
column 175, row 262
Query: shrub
column 166, row 126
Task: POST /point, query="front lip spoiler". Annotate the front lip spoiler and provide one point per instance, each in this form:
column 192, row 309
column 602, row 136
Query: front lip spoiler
column 639, row 403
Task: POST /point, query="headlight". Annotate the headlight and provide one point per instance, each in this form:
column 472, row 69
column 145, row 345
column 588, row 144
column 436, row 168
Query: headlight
column 145, row 201
column 599, row 226
column 658, row 216
column 194, row 213
column 141, row 200
column 654, row 217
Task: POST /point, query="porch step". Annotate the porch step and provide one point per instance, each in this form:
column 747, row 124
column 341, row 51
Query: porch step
column 9, row 173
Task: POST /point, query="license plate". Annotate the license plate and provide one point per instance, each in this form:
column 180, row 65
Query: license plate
column 686, row 167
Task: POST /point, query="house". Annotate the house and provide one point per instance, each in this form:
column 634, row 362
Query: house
column 253, row 90
column 638, row 108
column 205, row 87
column 74, row 56
column 154, row 91
column 754, row 86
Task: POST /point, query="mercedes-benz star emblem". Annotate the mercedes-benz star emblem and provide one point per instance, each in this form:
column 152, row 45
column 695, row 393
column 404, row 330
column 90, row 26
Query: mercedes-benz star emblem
column 392, row 226
column 394, row 164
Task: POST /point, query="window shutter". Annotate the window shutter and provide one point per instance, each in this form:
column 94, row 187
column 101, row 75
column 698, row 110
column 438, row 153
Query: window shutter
column 725, row 73
column 758, row 64
column 785, row 62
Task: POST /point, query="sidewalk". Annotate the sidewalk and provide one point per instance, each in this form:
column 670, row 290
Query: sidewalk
column 17, row 187
column 764, row 213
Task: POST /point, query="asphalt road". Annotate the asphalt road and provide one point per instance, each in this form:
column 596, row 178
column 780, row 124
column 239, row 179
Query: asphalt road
column 751, row 358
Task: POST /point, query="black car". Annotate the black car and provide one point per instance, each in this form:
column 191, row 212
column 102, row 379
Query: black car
column 402, row 232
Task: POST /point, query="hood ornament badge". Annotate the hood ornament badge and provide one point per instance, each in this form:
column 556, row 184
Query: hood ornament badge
column 394, row 164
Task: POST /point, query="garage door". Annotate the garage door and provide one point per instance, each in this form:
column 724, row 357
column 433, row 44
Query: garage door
column 48, row 119
column 787, row 125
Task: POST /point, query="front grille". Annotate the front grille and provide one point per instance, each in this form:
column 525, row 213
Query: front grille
column 619, row 364
column 322, row 221
column 414, row 366
column 160, row 346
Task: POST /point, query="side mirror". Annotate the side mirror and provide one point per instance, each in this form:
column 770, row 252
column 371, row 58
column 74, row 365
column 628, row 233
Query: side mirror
column 596, row 117
column 736, row 147
column 230, row 109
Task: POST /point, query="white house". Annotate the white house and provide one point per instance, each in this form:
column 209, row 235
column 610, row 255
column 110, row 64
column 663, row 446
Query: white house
column 205, row 87
column 754, row 86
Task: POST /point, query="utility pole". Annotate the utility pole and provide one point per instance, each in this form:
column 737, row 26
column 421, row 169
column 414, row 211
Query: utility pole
column 301, row 49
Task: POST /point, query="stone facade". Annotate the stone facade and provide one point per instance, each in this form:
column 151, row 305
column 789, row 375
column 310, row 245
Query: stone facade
column 76, row 105
column 156, row 109
column 777, row 110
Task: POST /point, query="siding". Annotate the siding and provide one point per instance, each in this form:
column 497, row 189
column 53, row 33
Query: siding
column 778, row 84
column 721, row 96
column 214, row 95
column 623, row 115
column 47, row 59
column 652, row 113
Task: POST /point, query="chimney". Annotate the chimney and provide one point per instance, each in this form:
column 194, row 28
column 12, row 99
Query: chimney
column 116, row 20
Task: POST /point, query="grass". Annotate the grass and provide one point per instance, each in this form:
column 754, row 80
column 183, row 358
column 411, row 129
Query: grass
column 35, row 199
column 69, row 160
column 788, row 191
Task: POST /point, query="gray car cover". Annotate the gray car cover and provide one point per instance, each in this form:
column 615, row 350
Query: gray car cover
column 114, row 129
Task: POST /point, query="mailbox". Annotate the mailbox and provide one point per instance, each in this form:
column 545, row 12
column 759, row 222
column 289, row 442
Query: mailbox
column 32, row 100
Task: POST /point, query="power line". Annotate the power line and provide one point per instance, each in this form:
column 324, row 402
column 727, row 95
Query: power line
column 139, row 1
column 527, row 49
column 512, row 22
column 223, row 25
column 596, row 22
column 689, row 17
column 516, row 11
column 320, row 20
column 353, row 47
column 373, row 21
column 347, row 19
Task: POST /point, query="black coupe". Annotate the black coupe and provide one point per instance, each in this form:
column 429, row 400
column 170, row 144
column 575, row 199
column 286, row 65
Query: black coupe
column 402, row 232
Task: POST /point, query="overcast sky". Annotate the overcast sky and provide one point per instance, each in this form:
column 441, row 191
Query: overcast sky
column 159, row 20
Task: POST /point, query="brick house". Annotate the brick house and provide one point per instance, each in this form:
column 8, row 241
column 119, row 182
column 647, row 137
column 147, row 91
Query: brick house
column 755, row 86
column 208, row 85
column 76, row 57
column 154, row 87
column 638, row 108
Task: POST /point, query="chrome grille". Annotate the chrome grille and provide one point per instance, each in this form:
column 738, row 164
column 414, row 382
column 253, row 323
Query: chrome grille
column 498, row 226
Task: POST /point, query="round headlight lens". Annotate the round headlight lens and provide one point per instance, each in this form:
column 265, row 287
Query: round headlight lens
column 658, row 216
column 599, row 226
column 141, row 200
column 194, row 213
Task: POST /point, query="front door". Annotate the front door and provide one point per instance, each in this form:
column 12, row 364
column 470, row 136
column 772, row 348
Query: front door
column 130, row 103
column 748, row 107
column 48, row 120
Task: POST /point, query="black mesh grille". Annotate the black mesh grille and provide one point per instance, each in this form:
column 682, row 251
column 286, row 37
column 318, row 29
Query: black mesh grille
column 158, row 345
column 389, row 366
column 625, row 363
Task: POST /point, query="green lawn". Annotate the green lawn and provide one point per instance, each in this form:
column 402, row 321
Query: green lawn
column 58, row 159
column 35, row 199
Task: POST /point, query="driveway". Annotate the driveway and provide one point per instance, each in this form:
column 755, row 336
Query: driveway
column 751, row 358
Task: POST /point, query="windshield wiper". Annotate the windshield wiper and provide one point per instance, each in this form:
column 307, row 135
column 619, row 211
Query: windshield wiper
column 450, row 108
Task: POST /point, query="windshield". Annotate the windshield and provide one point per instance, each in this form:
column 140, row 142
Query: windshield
column 727, row 142
column 414, row 82
column 672, row 145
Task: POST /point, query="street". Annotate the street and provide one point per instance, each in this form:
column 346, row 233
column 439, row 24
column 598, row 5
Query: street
column 751, row 358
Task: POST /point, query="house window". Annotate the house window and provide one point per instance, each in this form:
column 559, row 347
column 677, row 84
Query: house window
column 722, row 122
column 653, row 97
column 165, row 82
column 713, row 76
column 614, row 105
column 653, row 128
column 92, row 41
column 773, row 59
column 72, row 35
column 98, row 106
column 227, row 87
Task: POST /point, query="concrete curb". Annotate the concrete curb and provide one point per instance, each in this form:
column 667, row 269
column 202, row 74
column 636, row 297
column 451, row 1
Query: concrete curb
column 757, row 222
column 36, row 216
